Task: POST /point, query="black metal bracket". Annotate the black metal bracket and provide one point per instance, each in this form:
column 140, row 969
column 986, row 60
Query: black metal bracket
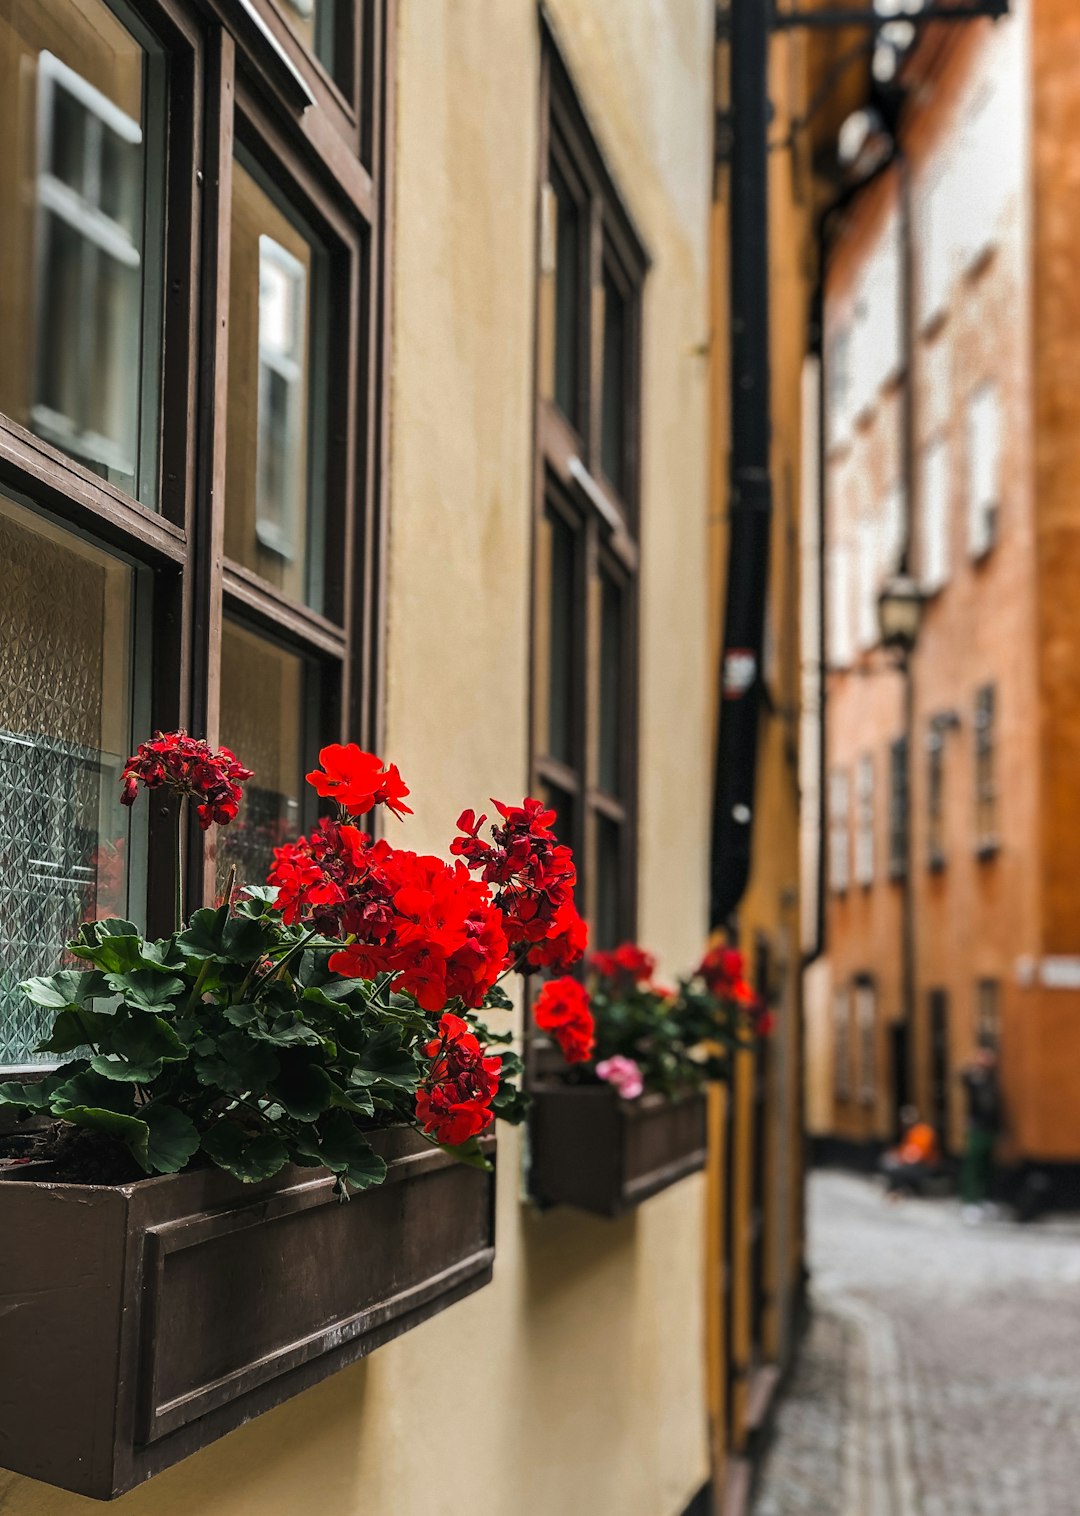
column 836, row 19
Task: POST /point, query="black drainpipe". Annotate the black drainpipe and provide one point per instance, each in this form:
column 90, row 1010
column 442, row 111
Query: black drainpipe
column 750, row 483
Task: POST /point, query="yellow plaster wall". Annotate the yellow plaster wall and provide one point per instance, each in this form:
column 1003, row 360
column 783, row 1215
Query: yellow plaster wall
column 575, row 1382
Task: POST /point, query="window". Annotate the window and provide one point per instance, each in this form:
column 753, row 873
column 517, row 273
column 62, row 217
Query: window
column 838, row 381
column 984, row 463
column 81, row 255
column 864, row 820
column 898, row 808
column 866, row 1023
column 839, row 617
column 935, row 796
column 842, row 1045
column 839, row 841
column 585, row 542
column 180, row 548
column 988, row 1013
column 986, row 785
column 935, row 516
column 935, row 235
column 869, row 578
column 326, row 29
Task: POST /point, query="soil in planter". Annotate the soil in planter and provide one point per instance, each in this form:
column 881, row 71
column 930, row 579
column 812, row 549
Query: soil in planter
column 74, row 1155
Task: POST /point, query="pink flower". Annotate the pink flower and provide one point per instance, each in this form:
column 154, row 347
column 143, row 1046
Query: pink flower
column 623, row 1075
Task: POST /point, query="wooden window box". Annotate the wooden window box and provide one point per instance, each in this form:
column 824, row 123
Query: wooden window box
column 592, row 1150
column 143, row 1321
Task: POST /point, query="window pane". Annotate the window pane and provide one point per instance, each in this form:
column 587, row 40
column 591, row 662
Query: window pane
column 608, row 910
column 562, row 804
column 556, row 683
column 274, row 464
column 611, row 685
column 568, row 242
column 65, row 733
column 263, row 697
column 323, row 26
column 614, row 401
column 80, row 261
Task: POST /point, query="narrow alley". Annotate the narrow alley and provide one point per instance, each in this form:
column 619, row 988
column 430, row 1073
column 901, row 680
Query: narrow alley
column 941, row 1372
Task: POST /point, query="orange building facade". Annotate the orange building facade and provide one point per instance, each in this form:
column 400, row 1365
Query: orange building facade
column 952, row 413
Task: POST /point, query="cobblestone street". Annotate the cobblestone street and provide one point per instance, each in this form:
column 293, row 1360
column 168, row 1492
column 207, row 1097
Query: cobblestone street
column 941, row 1374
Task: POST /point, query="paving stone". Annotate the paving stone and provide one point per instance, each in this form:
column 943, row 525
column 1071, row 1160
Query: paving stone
column 941, row 1372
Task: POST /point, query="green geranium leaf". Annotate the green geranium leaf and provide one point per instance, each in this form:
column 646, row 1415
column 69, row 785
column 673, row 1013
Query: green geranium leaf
column 287, row 1032
column 75, row 1029
column 259, row 894
column 128, row 1128
column 148, row 989
column 304, row 1088
column 246, row 941
column 173, row 1139
column 240, row 1015
column 70, row 987
column 497, row 999
column 381, row 1057
column 163, row 954
column 89, row 1088
column 356, row 1100
column 234, row 1063
column 343, row 1150
column 245, row 1157
column 32, row 1096
column 205, row 933
column 469, row 1153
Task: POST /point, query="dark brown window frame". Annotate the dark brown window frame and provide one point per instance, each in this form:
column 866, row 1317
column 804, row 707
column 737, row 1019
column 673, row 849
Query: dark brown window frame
column 986, row 788
column 227, row 82
column 569, row 482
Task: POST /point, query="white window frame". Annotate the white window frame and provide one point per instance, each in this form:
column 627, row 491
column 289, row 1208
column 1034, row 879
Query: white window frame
column 100, row 235
column 279, row 535
column 864, row 820
column 984, row 467
column 935, row 514
column 839, row 831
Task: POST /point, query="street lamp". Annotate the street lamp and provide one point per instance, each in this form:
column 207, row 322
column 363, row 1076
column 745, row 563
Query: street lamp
column 900, row 606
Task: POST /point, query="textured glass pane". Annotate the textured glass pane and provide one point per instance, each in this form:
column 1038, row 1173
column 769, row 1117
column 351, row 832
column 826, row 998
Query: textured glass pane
column 274, row 473
column 65, row 703
column 608, row 895
column 80, row 258
column 568, row 242
column 557, row 736
column 262, row 720
column 614, row 400
column 611, row 685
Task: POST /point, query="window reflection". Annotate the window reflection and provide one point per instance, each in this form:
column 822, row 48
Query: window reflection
column 324, row 27
column 614, row 399
column 78, row 263
column 273, row 509
column 65, row 733
column 263, row 694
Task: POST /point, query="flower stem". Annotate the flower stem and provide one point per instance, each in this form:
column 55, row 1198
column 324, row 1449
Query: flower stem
column 180, row 863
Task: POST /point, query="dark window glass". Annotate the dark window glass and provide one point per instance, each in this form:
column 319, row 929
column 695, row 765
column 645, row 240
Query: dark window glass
column 935, row 797
column 988, row 1013
column 898, row 808
column 562, row 803
column 986, row 788
column 611, row 686
column 614, row 400
column 265, row 693
column 81, row 254
column 568, row 242
column 608, row 911
column 561, row 615
column 66, row 693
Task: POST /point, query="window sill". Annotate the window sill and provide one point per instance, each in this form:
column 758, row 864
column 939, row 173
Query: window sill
column 987, row 849
column 936, row 863
column 130, row 1366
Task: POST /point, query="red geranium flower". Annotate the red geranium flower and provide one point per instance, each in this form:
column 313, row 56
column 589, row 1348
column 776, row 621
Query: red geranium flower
column 191, row 769
column 358, row 781
column 565, row 944
column 454, row 1102
column 562, row 1009
column 627, row 964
